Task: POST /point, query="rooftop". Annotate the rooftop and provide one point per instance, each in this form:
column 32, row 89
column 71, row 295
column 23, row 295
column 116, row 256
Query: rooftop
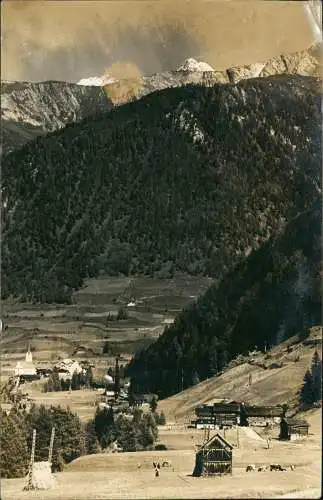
column 219, row 439
column 294, row 422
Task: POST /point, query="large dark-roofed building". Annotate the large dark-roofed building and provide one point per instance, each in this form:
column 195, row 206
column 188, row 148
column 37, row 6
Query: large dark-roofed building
column 261, row 415
column 218, row 414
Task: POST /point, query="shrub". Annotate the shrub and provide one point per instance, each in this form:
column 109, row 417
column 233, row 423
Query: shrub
column 122, row 314
column 161, row 447
column 275, row 365
column 160, row 419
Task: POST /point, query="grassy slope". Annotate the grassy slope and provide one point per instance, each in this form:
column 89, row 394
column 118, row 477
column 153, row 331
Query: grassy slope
column 271, row 386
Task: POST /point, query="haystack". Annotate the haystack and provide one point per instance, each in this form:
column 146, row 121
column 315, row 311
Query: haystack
column 41, row 477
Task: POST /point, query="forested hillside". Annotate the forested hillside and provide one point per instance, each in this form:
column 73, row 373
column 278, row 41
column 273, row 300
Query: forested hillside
column 188, row 179
column 270, row 296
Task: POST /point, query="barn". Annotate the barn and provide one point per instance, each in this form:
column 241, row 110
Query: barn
column 261, row 415
column 292, row 428
column 213, row 458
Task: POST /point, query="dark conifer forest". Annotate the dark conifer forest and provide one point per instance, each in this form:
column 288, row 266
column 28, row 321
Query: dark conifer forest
column 270, row 296
column 188, row 180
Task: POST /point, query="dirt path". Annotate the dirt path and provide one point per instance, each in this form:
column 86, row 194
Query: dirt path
column 250, row 433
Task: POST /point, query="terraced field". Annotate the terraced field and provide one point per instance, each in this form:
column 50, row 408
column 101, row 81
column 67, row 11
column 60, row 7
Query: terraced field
column 82, row 329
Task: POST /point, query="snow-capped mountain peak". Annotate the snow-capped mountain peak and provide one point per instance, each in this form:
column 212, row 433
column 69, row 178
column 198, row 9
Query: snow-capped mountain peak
column 97, row 81
column 191, row 64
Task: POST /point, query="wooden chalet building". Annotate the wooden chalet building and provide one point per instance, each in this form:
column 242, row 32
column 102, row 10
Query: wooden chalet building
column 261, row 416
column 233, row 413
column 226, row 414
column 292, row 428
column 213, row 458
column 217, row 415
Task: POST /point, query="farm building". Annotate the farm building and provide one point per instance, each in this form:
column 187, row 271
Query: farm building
column 226, row 413
column 213, row 458
column 216, row 415
column 261, row 415
column 26, row 369
column 141, row 399
column 44, row 372
column 291, row 429
column 66, row 368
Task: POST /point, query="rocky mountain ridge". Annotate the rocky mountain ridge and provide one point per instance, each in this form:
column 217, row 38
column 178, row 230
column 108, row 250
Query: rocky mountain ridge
column 32, row 109
column 306, row 63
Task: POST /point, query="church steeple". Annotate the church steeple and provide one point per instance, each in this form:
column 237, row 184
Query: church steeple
column 29, row 356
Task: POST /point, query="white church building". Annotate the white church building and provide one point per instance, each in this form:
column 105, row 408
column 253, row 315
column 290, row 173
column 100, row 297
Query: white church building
column 26, row 368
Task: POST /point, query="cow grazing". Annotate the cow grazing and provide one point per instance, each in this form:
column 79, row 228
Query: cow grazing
column 277, row 467
column 250, row 468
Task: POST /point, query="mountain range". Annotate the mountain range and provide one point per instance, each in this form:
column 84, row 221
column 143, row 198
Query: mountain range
column 306, row 62
column 32, row 109
column 188, row 179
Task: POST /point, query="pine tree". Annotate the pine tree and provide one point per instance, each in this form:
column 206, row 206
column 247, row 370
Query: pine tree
column 162, row 419
column 89, row 377
column 307, row 392
column 153, row 404
column 69, row 436
column 40, row 418
column 127, row 434
column 317, row 376
column 75, row 382
column 117, row 379
column 149, row 430
column 105, row 427
column 56, row 381
column 91, row 441
column 195, row 378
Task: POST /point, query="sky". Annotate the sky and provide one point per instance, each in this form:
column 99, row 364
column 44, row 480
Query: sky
column 69, row 40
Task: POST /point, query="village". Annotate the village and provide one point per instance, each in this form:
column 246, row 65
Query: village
column 220, row 431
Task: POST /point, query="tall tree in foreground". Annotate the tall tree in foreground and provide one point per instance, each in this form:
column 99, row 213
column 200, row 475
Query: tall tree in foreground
column 13, row 448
